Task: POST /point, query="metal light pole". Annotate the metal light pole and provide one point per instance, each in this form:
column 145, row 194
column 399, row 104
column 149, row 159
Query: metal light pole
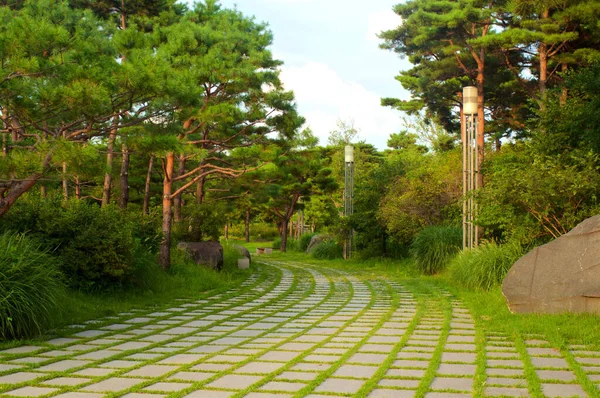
column 349, row 195
column 470, row 166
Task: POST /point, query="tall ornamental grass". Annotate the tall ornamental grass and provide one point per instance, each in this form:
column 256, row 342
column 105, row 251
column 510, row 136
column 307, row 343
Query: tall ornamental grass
column 486, row 266
column 30, row 287
column 327, row 250
column 433, row 247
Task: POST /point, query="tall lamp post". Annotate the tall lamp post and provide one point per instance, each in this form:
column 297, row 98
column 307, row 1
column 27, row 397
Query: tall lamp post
column 470, row 166
column 349, row 195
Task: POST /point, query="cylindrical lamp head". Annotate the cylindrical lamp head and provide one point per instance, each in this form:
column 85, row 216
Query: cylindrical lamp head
column 470, row 100
column 349, row 152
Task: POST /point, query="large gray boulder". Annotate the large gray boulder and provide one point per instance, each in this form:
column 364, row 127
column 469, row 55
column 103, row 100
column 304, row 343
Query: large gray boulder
column 316, row 240
column 209, row 254
column 243, row 252
column 561, row 276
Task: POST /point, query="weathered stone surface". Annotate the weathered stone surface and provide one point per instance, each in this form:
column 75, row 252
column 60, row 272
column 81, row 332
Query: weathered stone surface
column 209, row 254
column 316, row 240
column 561, row 276
column 243, row 252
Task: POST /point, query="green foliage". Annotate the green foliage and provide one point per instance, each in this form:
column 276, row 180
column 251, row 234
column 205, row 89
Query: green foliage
column 433, row 247
column 532, row 197
column 277, row 243
column 486, row 266
column 427, row 193
column 202, row 222
column 97, row 247
column 327, row 250
column 30, row 286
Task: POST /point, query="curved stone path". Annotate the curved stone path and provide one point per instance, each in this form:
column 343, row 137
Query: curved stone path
column 298, row 331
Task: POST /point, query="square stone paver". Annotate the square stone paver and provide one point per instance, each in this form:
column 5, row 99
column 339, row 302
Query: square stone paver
column 368, row 358
column 95, row 372
column 291, row 375
column 506, row 392
column 322, row 358
column 460, row 370
column 191, row 376
column 259, row 367
column 152, row 371
column 31, row 391
column 210, row 394
column 279, row 356
column 20, row 377
column 405, row 373
column 562, row 375
column 540, row 362
column 404, row 363
column 113, row 384
column 340, row 386
column 452, row 383
column 461, row 357
column 91, row 333
column 283, row 386
column 380, row 393
column 66, row 381
column 131, row 345
column 61, row 366
column 61, row 341
column 119, row 364
column 399, row 383
column 168, row 387
column 26, row 349
column 79, row 395
column 182, row 359
column 563, row 390
column 234, row 382
column 357, row 371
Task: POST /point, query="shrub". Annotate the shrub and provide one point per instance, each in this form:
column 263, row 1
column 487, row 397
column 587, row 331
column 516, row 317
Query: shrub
column 263, row 231
column 434, row 246
column 304, row 241
column 327, row 250
column 485, row 266
column 30, row 286
column 97, row 247
column 276, row 243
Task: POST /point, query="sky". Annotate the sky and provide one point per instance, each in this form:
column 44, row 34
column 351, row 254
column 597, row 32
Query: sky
column 333, row 63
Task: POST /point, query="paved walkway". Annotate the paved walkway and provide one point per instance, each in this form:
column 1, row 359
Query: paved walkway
column 295, row 331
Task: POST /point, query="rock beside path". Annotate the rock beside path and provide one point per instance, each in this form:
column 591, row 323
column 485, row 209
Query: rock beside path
column 561, row 276
column 243, row 252
column 314, row 242
column 209, row 254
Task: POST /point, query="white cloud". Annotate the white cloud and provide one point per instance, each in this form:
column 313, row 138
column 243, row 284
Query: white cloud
column 323, row 97
column 380, row 21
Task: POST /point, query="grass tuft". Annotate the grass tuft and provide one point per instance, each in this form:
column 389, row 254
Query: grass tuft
column 327, row 250
column 30, row 286
column 485, row 267
column 433, row 247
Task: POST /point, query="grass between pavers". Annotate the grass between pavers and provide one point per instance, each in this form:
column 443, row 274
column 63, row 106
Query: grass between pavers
column 184, row 281
column 122, row 354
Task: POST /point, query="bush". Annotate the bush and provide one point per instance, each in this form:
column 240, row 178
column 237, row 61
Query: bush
column 304, row 241
column 276, row 243
column 327, row 250
column 30, row 286
column 263, row 231
column 486, row 266
column 433, row 247
column 97, row 247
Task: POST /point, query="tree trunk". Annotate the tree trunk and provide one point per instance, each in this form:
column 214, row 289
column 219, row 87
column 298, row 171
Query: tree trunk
column 177, row 199
column 200, row 191
column 65, row 182
column 124, row 177
column 284, row 230
column 77, row 188
column 164, row 257
column 16, row 190
column 480, row 120
column 564, row 93
column 247, row 225
column 110, row 153
column 146, row 205
column 43, row 192
column 227, row 231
